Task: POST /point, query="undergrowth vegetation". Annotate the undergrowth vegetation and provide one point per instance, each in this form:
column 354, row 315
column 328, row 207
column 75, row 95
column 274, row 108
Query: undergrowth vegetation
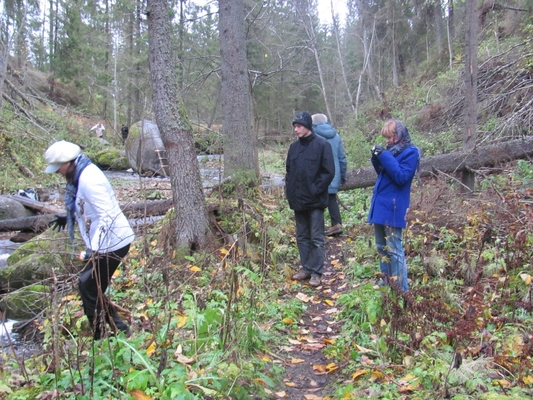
column 214, row 324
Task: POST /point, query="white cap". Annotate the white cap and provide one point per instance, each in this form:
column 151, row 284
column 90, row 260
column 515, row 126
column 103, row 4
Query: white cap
column 319, row 118
column 60, row 153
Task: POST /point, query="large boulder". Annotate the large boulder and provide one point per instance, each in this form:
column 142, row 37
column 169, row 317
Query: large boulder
column 111, row 158
column 11, row 209
column 145, row 149
column 25, row 282
column 36, row 260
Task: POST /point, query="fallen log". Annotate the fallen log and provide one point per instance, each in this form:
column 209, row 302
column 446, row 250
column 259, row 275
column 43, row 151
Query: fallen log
column 37, row 205
column 36, row 223
column 149, row 208
column 39, row 223
column 156, row 207
column 485, row 156
column 138, row 213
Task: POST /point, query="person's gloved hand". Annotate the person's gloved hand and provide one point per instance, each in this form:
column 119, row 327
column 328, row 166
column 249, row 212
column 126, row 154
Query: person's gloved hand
column 377, row 150
column 59, row 223
column 343, row 180
column 85, row 255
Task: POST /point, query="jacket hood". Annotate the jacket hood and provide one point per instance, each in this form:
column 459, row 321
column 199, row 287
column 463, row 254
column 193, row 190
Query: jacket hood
column 325, row 130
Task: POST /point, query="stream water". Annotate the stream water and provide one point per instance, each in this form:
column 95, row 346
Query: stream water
column 6, row 248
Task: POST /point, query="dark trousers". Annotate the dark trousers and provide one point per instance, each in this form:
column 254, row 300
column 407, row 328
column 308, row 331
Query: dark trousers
column 334, row 211
column 93, row 283
column 310, row 240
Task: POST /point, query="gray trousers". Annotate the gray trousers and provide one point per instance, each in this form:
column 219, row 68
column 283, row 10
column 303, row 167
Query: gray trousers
column 310, row 240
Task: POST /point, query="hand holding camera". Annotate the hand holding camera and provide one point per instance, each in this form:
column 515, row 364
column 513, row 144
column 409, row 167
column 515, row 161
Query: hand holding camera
column 377, row 150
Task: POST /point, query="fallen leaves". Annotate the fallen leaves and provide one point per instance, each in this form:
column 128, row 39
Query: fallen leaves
column 139, row 395
column 322, row 369
column 526, row 278
column 181, row 358
column 303, row 297
column 151, row 349
column 358, row 373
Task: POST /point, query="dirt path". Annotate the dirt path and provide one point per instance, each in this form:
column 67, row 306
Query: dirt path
column 308, row 371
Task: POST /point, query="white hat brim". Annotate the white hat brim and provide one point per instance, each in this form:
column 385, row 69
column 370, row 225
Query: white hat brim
column 53, row 167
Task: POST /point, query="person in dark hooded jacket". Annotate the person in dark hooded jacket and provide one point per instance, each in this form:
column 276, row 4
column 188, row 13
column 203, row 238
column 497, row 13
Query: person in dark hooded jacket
column 323, row 128
column 396, row 166
column 309, row 171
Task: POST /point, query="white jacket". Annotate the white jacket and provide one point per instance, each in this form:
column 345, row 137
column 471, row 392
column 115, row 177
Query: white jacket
column 103, row 226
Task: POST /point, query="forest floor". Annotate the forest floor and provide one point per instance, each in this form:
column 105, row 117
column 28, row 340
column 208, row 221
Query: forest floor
column 309, row 373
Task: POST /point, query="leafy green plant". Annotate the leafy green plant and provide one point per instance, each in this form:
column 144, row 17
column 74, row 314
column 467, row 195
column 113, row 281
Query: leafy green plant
column 523, row 171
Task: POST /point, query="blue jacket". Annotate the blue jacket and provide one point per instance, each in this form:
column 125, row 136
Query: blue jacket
column 310, row 169
column 392, row 191
column 329, row 133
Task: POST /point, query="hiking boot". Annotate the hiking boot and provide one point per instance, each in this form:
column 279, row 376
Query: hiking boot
column 334, row 230
column 315, row 280
column 301, row 275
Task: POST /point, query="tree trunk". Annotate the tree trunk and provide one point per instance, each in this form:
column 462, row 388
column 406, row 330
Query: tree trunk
column 470, row 111
column 240, row 143
column 172, row 121
column 437, row 12
column 3, row 64
column 450, row 33
column 395, row 78
column 138, row 73
column 341, row 59
column 107, row 55
column 367, row 46
column 486, row 156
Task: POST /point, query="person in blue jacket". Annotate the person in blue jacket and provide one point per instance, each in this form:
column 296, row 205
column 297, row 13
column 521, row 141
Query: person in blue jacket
column 323, row 128
column 309, row 171
column 396, row 166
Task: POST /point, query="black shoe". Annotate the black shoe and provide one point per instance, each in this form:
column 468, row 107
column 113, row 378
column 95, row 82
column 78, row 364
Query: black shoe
column 334, row 230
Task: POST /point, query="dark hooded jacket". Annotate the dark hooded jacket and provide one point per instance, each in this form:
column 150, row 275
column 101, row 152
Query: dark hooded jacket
column 310, row 169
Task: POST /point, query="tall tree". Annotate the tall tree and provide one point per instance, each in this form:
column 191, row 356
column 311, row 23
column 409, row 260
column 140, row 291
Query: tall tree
column 240, row 142
column 306, row 10
column 450, row 32
column 173, row 123
column 470, row 110
column 336, row 30
column 4, row 50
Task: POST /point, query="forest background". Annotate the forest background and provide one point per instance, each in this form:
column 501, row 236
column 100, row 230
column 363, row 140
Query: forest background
column 213, row 329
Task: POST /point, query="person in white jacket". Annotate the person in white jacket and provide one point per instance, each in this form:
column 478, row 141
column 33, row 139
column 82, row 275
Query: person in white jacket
column 105, row 230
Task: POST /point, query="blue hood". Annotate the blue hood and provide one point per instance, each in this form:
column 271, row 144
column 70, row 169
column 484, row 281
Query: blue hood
column 325, row 130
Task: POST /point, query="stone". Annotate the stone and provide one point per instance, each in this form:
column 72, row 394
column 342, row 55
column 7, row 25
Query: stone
column 11, row 209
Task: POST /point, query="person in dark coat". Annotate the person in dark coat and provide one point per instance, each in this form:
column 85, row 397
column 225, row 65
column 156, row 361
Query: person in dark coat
column 125, row 132
column 323, row 128
column 309, row 171
column 396, row 166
